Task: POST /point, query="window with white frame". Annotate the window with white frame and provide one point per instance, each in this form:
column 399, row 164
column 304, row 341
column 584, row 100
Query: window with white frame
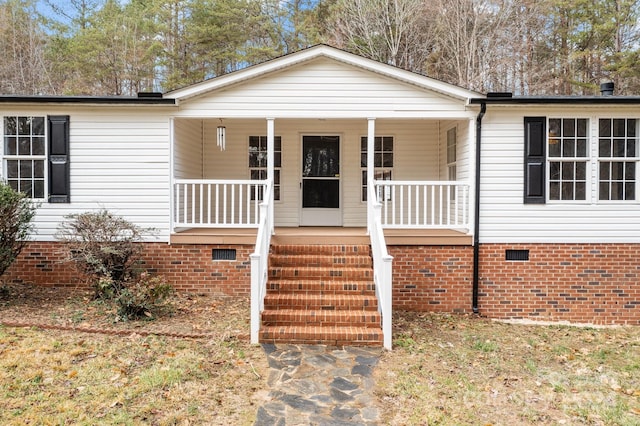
column 568, row 158
column 258, row 162
column 382, row 160
column 25, row 154
column 617, row 158
column 452, row 144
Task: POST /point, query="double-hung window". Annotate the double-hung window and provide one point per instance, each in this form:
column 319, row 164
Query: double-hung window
column 25, row 154
column 617, row 158
column 568, row 157
column 586, row 160
column 382, row 160
column 258, row 161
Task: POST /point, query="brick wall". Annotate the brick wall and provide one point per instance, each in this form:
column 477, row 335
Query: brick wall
column 187, row 267
column 432, row 278
column 595, row 283
column 592, row 283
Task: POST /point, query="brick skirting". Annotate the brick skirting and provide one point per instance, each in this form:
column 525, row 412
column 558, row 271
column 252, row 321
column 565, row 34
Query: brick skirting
column 594, row 283
column 591, row 283
column 188, row 267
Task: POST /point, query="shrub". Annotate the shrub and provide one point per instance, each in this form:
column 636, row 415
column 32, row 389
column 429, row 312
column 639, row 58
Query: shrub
column 143, row 298
column 16, row 213
column 104, row 246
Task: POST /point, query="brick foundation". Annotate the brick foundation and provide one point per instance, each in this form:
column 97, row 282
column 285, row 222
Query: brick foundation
column 432, row 278
column 188, row 267
column 594, row 283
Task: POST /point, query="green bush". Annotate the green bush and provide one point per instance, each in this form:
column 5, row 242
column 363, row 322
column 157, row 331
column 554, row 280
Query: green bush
column 104, row 246
column 16, row 213
column 143, row 298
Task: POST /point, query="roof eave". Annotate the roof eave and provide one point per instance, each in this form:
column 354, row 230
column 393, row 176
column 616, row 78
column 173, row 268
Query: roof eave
column 560, row 100
column 85, row 100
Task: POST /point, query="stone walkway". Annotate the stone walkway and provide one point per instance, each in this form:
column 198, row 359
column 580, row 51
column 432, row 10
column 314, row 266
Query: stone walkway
column 319, row 385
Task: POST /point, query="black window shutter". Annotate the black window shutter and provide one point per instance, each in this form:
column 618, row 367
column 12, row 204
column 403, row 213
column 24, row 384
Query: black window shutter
column 534, row 159
column 58, row 158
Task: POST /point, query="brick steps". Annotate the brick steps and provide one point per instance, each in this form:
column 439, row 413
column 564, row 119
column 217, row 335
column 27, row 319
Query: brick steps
column 330, row 302
column 316, row 272
column 321, row 294
column 343, row 318
column 320, row 286
column 325, row 335
column 321, row 260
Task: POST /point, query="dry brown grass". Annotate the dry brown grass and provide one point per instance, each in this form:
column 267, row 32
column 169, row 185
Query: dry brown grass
column 454, row 370
column 73, row 377
column 444, row 369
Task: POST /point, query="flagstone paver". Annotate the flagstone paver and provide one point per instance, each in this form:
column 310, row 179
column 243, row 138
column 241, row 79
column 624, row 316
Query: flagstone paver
column 319, row 385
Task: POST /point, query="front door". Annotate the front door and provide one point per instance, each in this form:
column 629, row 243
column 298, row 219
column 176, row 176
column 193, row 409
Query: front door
column 320, row 181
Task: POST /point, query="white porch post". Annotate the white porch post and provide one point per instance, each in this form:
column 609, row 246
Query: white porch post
column 371, row 133
column 270, row 162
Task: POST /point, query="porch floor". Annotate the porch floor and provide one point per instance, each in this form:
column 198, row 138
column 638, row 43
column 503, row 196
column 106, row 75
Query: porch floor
column 321, row 235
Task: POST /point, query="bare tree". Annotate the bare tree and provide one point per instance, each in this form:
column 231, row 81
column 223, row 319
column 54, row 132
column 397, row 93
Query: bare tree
column 23, row 68
column 385, row 30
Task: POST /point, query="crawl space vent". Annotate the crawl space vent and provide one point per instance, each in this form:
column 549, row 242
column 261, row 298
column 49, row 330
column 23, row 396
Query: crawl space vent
column 224, row 254
column 517, row 255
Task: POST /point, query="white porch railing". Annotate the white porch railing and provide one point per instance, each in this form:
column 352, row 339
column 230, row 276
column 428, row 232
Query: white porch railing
column 217, row 203
column 382, row 269
column 423, row 204
column 260, row 262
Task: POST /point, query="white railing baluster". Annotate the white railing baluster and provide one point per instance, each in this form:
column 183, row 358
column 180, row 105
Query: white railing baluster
column 224, row 204
column 216, row 203
column 423, row 204
column 200, row 211
column 208, row 203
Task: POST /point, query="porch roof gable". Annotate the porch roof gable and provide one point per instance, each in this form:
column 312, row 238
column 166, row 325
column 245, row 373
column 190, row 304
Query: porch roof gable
column 315, row 52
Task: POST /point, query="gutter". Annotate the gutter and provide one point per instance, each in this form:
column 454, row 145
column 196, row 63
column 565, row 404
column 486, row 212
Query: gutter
column 141, row 99
column 476, row 216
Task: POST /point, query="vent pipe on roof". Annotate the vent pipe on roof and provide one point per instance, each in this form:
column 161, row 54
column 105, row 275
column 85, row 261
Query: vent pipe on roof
column 606, row 89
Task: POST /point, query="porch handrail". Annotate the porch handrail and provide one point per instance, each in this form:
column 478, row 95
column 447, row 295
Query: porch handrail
column 202, row 203
column 423, row 204
column 382, row 268
column 260, row 262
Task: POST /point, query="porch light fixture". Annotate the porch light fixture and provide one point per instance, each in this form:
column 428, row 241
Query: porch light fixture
column 221, row 137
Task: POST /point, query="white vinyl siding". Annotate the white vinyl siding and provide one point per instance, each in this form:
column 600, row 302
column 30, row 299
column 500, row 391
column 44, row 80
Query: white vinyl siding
column 504, row 218
column 188, row 149
column 119, row 160
column 327, row 89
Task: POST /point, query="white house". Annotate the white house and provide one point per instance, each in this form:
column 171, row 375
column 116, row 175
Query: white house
column 331, row 187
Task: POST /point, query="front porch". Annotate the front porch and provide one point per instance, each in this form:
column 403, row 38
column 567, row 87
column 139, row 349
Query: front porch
column 373, row 183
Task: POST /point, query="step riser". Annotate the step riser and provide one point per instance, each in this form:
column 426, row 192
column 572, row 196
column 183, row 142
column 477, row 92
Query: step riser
column 311, row 287
column 318, row 335
column 321, row 304
column 329, row 250
column 306, row 273
column 319, row 318
column 320, row 261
